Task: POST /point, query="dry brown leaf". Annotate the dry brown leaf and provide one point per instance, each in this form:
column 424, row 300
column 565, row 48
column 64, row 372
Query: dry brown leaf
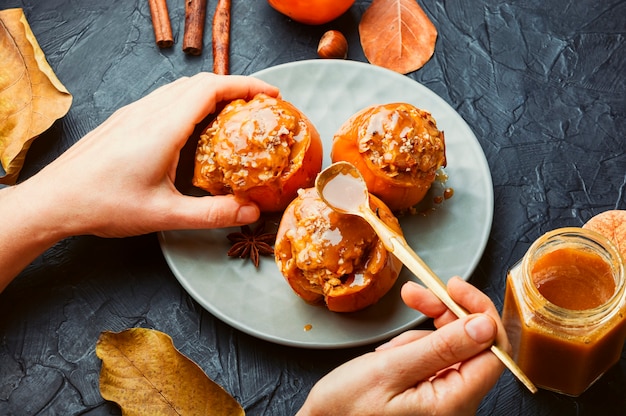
column 397, row 34
column 145, row 374
column 31, row 96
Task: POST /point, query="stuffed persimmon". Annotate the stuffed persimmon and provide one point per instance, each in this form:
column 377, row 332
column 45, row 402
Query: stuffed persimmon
column 334, row 259
column 262, row 150
column 398, row 149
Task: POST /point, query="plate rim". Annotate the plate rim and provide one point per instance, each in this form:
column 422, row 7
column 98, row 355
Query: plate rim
column 383, row 335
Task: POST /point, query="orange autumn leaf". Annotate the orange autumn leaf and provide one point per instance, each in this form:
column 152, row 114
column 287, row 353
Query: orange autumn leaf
column 31, row 96
column 145, row 374
column 612, row 225
column 397, row 35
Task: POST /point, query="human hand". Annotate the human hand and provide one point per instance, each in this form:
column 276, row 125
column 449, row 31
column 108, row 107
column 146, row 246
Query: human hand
column 447, row 371
column 119, row 179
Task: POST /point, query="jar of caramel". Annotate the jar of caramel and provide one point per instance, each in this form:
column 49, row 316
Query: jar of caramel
column 565, row 309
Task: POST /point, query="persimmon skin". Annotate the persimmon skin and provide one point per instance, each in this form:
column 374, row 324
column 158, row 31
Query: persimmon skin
column 364, row 283
column 397, row 192
column 219, row 153
column 272, row 199
column 312, row 12
column 396, row 196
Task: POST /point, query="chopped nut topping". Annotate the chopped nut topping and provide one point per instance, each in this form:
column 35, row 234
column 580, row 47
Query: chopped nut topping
column 402, row 140
column 256, row 137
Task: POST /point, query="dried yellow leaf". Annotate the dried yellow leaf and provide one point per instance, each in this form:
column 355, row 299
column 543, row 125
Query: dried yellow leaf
column 31, row 96
column 145, row 374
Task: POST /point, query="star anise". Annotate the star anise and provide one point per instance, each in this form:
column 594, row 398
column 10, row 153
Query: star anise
column 252, row 243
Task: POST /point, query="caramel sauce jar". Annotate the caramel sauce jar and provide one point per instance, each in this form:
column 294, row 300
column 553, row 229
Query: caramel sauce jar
column 565, row 309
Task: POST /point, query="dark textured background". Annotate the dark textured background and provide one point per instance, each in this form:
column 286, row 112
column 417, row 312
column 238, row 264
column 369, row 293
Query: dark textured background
column 541, row 83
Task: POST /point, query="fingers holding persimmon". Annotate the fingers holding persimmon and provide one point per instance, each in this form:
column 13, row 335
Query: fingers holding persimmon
column 397, row 148
column 262, row 150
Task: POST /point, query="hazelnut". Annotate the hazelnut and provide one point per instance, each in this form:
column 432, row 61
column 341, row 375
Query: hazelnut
column 333, row 45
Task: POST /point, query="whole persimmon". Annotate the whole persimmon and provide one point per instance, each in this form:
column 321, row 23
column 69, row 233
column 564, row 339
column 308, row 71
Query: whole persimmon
column 334, row 259
column 398, row 149
column 262, row 150
column 312, row 12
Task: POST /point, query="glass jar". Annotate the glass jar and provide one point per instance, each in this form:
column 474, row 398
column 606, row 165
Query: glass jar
column 565, row 309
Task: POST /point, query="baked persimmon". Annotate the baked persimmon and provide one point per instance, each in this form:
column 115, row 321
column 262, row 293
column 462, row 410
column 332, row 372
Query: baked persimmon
column 398, row 149
column 334, row 259
column 262, row 150
column 312, row 12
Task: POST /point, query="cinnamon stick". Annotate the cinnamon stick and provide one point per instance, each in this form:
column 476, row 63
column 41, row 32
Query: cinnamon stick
column 195, row 13
column 221, row 37
column 161, row 23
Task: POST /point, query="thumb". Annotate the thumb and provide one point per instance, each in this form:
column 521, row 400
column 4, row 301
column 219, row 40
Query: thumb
column 189, row 212
column 456, row 342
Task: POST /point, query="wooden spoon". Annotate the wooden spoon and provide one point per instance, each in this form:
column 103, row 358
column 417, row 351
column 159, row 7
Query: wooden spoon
column 343, row 188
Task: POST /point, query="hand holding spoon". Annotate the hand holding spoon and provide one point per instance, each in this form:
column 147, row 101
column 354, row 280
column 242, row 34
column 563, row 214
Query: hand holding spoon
column 342, row 187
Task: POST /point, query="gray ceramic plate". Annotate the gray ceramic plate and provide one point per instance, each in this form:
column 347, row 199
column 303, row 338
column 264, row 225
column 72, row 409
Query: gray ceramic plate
column 451, row 239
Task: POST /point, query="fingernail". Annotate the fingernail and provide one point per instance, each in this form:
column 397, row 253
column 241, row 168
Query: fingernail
column 247, row 214
column 411, row 283
column 481, row 329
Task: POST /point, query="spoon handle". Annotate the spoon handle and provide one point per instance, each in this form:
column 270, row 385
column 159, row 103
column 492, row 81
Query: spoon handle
column 397, row 245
